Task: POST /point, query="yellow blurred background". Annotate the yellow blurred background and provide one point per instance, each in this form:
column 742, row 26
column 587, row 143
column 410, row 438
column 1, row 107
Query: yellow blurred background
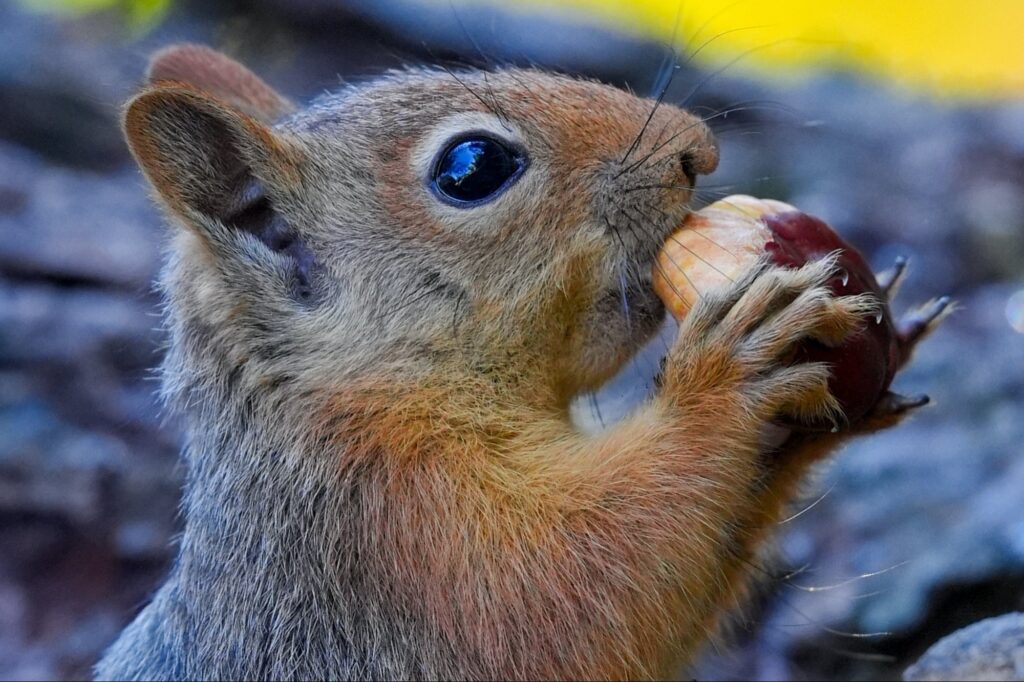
column 950, row 47
column 946, row 47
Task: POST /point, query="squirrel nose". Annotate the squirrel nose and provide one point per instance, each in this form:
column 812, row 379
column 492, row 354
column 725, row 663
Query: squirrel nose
column 701, row 159
column 686, row 165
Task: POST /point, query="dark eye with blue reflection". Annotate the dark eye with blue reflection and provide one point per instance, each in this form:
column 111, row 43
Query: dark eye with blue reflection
column 475, row 169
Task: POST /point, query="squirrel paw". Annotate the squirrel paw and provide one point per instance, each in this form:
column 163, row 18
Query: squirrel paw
column 752, row 330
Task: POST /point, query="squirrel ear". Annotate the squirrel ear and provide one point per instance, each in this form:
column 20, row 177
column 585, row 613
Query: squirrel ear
column 221, row 76
column 214, row 165
column 206, row 159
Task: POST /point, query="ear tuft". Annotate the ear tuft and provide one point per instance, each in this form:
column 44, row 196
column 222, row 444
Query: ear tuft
column 220, row 76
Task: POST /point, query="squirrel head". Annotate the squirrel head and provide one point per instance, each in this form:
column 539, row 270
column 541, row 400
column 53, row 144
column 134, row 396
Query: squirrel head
column 499, row 223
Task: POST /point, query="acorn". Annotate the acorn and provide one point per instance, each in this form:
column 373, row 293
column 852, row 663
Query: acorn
column 717, row 245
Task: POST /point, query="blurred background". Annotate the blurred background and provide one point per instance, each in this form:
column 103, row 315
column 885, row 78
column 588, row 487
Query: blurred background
column 901, row 124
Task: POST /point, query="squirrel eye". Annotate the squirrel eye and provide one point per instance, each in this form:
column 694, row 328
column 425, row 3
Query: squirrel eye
column 476, row 169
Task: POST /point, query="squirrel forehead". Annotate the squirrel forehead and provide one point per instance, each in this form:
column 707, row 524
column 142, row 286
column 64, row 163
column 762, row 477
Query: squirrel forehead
column 576, row 115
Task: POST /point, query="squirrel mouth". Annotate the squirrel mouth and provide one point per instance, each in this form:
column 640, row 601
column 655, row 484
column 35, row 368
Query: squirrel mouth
column 635, row 382
column 633, row 313
column 637, row 304
column 638, row 316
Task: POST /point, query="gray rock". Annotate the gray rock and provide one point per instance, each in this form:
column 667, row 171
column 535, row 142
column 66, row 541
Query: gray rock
column 990, row 650
column 59, row 85
column 75, row 226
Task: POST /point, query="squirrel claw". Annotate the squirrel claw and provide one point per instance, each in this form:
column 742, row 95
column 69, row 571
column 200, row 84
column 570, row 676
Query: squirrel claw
column 919, row 322
column 890, row 280
column 890, row 410
column 895, row 403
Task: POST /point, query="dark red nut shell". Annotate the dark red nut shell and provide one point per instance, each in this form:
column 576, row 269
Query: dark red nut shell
column 864, row 365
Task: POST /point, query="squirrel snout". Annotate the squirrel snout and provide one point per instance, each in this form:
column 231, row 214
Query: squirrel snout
column 703, row 159
column 686, row 165
column 684, row 144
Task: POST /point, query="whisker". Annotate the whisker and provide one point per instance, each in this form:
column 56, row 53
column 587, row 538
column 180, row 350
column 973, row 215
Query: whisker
column 639, row 188
column 743, row 55
column 661, row 131
column 834, row 631
column 809, row 507
column 489, row 63
column 795, row 572
column 668, row 64
column 714, row 243
column 713, row 17
column 732, row 204
column 848, row 581
column 469, row 36
column 772, row 105
column 725, row 112
column 650, row 116
column 667, row 73
column 693, row 55
column 698, row 257
column 516, row 75
column 672, row 286
column 490, row 107
column 636, row 164
column 595, row 408
column 739, row 132
column 625, row 299
column 415, row 299
column 705, row 189
column 811, row 622
column 661, row 270
column 868, row 595
column 659, row 147
column 739, row 129
column 657, row 265
column 635, row 359
column 860, row 655
column 622, row 280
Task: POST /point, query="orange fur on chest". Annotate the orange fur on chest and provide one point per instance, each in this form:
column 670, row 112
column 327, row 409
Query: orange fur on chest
column 503, row 541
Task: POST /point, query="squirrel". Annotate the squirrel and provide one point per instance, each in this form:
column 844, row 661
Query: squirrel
column 380, row 308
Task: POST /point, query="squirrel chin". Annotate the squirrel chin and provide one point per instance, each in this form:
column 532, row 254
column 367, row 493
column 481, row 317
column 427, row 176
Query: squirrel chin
column 635, row 383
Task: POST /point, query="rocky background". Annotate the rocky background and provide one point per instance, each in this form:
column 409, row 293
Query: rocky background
column 904, row 538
